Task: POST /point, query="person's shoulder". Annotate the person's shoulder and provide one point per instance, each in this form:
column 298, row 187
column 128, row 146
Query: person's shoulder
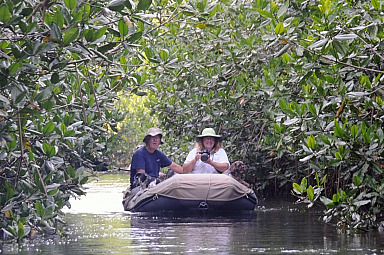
column 159, row 152
column 139, row 150
column 221, row 150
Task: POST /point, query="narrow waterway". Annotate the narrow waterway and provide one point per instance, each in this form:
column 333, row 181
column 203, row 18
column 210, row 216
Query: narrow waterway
column 97, row 224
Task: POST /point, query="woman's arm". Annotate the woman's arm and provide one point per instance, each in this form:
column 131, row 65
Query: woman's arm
column 221, row 167
column 191, row 160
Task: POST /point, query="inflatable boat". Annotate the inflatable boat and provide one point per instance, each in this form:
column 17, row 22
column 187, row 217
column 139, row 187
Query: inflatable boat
column 217, row 193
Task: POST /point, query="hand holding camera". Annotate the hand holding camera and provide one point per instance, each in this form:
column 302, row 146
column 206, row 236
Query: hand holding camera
column 204, row 155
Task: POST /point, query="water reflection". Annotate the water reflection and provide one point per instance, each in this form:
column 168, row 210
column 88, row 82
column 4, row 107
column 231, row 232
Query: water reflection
column 97, row 224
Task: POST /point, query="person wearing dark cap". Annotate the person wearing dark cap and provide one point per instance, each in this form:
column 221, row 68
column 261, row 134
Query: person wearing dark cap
column 208, row 156
column 148, row 159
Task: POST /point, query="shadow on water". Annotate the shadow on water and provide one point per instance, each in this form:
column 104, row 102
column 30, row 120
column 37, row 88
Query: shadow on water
column 97, row 224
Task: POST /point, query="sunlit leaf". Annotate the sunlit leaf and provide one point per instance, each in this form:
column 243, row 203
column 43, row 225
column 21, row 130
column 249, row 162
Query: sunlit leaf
column 296, row 188
column 71, row 4
column 279, row 28
column 310, row 193
column 345, row 37
column 311, row 142
column 70, row 35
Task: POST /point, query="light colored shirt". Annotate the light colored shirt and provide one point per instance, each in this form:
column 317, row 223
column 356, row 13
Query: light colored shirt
column 204, row 168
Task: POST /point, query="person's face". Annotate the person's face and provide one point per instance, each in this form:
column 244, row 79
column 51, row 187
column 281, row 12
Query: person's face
column 154, row 142
column 208, row 142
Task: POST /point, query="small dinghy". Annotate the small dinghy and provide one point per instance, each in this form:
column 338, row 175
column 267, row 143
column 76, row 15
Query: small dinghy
column 217, row 193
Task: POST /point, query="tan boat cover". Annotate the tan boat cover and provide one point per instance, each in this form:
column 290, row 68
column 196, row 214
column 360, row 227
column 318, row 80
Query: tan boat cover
column 209, row 187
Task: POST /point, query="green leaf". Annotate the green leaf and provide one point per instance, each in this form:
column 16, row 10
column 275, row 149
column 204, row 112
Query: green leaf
column 164, row 54
column 105, row 48
column 70, row 36
column 376, row 4
column 116, row 5
column 311, row 142
column 303, row 185
column 367, row 138
column 354, row 131
column 5, row 15
column 323, row 180
column 356, row 181
column 285, row 58
column 310, row 193
column 20, row 97
column 317, row 180
column 296, row 188
column 143, row 5
column 71, row 172
column 71, row 4
column 265, row 14
column 58, row 19
column 123, row 28
column 20, row 230
column 339, row 47
column 99, row 33
column 39, row 209
column 335, row 198
column 55, row 78
column 334, row 162
column 48, row 128
column 15, row 67
column 283, row 105
column 49, row 150
column 327, row 202
column 312, row 109
column 338, row 155
column 69, row 133
column 134, row 37
column 338, row 131
column 56, row 32
column 279, row 29
column 10, row 192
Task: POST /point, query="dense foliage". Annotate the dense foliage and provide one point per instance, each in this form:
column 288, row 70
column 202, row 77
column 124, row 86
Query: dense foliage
column 294, row 86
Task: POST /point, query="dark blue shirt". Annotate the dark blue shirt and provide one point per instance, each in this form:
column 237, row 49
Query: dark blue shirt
column 150, row 162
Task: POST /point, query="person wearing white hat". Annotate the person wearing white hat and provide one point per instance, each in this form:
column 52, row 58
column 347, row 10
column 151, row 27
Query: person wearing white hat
column 208, row 156
column 148, row 159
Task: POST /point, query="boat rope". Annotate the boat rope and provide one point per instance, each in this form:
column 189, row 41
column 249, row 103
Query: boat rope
column 209, row 187
column 203, row 204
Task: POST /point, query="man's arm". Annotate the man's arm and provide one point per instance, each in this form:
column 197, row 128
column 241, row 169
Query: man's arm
column 176, row 168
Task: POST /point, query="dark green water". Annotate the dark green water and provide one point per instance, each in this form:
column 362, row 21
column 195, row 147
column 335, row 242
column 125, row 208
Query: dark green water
column 97, row 224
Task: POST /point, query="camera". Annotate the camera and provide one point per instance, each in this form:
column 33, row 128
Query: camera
column 204, row 155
